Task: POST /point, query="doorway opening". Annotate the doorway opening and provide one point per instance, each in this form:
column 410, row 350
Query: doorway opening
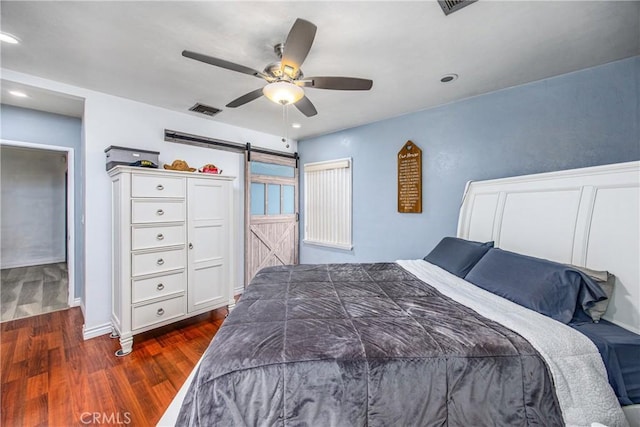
column 37, row 251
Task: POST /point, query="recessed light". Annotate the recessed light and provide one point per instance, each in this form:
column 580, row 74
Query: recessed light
column 18, row 94
column 447, row 78
column 8, row 38
column 296, row 125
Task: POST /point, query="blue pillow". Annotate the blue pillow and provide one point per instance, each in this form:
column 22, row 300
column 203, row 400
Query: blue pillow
column 457, row 256
column 549, row 288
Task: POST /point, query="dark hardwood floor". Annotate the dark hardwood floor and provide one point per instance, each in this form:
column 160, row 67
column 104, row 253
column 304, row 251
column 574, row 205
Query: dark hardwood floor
column 51, row 377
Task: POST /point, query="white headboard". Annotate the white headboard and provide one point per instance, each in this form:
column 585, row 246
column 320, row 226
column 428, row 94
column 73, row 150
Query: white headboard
column 587, row 217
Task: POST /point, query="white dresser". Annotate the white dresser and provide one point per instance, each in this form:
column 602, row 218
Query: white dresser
column 172, row 248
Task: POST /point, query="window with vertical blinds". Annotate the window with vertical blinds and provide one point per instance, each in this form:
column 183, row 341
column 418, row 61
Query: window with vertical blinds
column 327, row 203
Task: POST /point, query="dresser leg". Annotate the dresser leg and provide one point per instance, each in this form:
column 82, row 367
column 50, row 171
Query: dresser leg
column 114, row 333
column 126, row 344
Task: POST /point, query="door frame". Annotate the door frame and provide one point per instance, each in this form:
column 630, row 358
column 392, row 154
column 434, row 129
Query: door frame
column 274, row 159
column 71, row 261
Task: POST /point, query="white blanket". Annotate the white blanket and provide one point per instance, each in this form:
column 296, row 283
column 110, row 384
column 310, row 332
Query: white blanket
column 575, row 364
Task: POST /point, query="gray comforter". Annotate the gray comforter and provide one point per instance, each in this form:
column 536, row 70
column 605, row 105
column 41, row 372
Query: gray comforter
column 364, row 345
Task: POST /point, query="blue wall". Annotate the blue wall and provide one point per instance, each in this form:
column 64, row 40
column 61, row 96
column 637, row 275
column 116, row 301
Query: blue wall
column 580, row 119
column 21, row 124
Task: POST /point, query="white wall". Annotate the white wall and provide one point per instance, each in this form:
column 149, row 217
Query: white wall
column 110, row 120
column 32, row 191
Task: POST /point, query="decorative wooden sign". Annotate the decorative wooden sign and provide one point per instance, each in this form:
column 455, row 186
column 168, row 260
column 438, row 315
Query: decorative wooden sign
column 410, row 179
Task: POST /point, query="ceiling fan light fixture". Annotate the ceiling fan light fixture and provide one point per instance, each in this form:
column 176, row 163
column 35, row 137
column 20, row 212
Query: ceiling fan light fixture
column 283, row 92
column 289, row 70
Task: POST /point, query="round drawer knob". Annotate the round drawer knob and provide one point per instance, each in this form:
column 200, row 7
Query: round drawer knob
column 160, row 261
column 160, row 187
column 160, row 212
column 160, row 236
column 160, row 312
column 160, row 286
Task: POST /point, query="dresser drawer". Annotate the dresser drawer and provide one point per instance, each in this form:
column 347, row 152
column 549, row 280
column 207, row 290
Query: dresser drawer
column 147, row 315
column 157, row 237
column 157, row 262
column 146, row 211
column 157, row 186
column 162, row 286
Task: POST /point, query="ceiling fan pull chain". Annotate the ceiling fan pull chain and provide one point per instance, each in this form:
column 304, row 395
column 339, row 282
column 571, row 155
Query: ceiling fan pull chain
column 286, row 124
column 285, row 120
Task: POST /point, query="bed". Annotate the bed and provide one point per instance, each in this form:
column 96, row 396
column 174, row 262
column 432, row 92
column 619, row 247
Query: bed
column 411, row 343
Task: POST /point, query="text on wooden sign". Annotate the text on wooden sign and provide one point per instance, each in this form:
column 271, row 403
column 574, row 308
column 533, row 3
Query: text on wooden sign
column 410, row 179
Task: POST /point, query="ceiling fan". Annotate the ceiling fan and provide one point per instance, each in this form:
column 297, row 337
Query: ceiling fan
column 285, row 78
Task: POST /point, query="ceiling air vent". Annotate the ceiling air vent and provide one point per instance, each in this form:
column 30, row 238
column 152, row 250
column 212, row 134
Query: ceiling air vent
column 450, row 6
column 205, row 109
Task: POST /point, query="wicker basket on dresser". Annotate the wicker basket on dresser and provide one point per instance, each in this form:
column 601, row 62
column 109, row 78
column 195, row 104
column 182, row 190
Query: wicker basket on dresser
column 172, row 248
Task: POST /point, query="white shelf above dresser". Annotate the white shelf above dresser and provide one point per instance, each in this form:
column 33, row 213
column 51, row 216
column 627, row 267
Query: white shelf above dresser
column 172, row 248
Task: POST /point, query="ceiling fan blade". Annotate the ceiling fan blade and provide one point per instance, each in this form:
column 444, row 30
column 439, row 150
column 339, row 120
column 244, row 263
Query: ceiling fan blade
column 297, row 45
column 221, row 63
column 306, row 107
column 245, row 98
column 338, row 83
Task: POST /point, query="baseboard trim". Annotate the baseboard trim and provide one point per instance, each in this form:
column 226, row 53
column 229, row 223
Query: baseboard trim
column 96, row 331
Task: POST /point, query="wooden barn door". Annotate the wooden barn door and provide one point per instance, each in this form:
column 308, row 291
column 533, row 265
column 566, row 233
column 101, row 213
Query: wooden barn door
column 271, row 231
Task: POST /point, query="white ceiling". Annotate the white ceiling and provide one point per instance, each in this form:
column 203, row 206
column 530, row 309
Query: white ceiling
column 41, row 99
column 133, row 50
